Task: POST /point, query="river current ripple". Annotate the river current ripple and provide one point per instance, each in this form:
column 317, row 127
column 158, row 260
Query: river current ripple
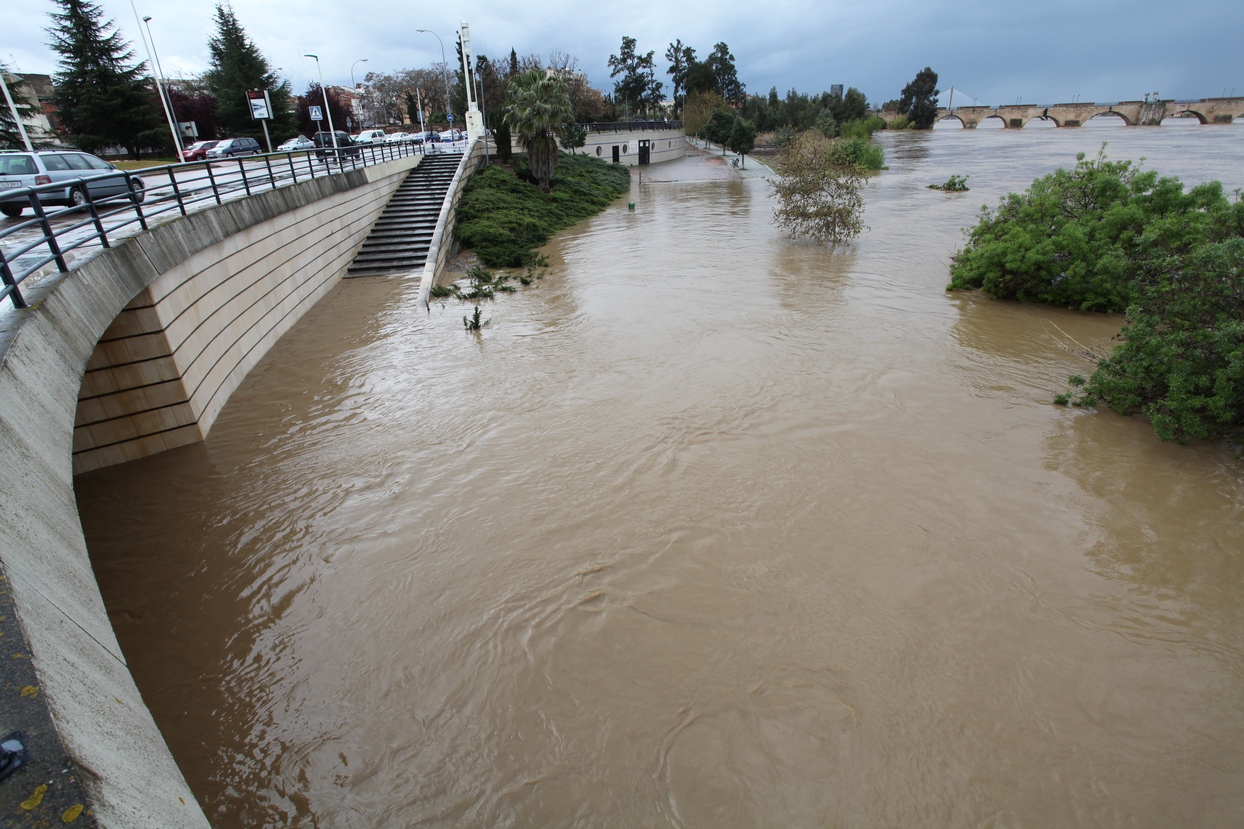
column 706, row 528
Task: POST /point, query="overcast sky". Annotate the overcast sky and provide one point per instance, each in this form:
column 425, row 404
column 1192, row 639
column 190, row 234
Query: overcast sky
column 994, row 51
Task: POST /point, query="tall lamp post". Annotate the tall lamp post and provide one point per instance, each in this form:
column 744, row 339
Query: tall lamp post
column 354, row 87
column 444, row 65
column 327, row 109
column 167, row 114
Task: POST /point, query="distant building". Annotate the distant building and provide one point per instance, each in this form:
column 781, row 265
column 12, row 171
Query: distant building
column 43, row 127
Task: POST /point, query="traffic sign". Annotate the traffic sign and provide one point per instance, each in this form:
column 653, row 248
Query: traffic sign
column 317, row 114
column 450, row 116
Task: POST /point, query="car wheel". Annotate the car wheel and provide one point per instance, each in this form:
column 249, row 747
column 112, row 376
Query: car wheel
column 139, row 191
column 11, row 210
column 76, row 197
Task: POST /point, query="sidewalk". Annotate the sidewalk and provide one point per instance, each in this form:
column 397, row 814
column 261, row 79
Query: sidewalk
column 755, row 167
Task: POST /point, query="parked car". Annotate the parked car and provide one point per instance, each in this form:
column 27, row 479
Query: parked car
column 197, row 151
column 324, row 144
column 395, row 137
column 298, row 142
column 234, row 146
column 369, row 137
column 33, row 169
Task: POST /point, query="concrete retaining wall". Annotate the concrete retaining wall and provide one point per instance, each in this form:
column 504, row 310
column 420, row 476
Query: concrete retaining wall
column 664, row 145
column 264, row 253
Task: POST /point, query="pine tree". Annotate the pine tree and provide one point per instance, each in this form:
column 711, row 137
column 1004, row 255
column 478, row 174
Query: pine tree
column 238, row 66
column 102, row 98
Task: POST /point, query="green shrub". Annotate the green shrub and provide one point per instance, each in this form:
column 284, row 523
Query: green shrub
column 1181, row 362
column 859, row 152
column 503, row 217
column 954, row 184
column 1089, row 237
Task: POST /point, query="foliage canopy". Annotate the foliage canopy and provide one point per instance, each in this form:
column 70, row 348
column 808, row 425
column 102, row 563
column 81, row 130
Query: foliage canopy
column 919, row 99
column 537, row 110
column 102, row 97
column 237, row 66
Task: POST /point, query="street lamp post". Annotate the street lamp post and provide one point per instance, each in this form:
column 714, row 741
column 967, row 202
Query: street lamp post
column 155, row 75
column 354, row 87
column 165, row 94
column 332, row 131
column 444, row 65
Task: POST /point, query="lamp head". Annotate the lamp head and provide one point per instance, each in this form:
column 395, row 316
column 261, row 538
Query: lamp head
column 146, row 19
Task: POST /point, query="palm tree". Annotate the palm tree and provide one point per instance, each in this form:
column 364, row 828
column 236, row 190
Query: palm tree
column 537, row 109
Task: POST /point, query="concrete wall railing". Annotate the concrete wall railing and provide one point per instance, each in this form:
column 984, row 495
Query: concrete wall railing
column 203, row 298
column 444, row 244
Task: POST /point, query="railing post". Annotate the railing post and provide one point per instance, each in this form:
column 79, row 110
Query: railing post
column 207, row 165
column 271, row 178
column 133, row 197
column 293, row 171
column 246, row 185
column 6, row 276
column 181, row 204
column 90, row 208
column 48, row 237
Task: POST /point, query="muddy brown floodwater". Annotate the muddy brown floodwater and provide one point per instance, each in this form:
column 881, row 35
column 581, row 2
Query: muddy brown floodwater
column 708, row 528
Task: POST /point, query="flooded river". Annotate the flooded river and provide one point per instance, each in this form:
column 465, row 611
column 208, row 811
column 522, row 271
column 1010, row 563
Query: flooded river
column 708, row 528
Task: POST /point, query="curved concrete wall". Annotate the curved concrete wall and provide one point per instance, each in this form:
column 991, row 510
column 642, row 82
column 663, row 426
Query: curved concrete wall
column 251, row 268
column 664, row 145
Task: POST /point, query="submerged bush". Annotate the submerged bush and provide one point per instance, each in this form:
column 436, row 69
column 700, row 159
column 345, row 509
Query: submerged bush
column 1087, row 238
column 1181, row 362
column 504, row 217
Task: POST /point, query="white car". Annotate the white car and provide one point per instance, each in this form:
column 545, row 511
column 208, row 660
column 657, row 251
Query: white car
column 369, row 137
column 298, row 142
column 394, row 137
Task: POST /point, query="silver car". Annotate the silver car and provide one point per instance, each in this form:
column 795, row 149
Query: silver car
column 79, row 170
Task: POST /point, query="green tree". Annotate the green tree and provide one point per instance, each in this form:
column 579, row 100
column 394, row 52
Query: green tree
column 236, row 66
column 728, row 83
column 102, row 98
column 10, row 136
column 719, row 128
column 743, row 138
column 819, row 195
column 919, row 99
column 537, row 109
column 681, row 58
column 638, row 84
column 700, row 79
column 699, row 110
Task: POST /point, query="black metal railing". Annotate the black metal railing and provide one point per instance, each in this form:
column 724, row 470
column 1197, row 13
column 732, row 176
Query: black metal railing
column 52, row 233
column 632, row 126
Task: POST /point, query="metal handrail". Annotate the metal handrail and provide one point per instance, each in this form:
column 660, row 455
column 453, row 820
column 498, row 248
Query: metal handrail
column 631, row 126
column 190, row 185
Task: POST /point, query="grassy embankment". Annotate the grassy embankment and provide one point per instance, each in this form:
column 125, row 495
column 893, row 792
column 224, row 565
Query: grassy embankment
column 503, row 217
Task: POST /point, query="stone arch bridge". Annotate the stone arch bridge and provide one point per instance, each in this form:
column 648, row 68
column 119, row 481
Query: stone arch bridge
column 1133, row 113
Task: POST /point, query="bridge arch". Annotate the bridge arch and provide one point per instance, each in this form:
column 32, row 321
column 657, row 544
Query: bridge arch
column 1188, row 111
column 1128, row 122
column 948, row 118
column 992, row 122
column 1042, row 119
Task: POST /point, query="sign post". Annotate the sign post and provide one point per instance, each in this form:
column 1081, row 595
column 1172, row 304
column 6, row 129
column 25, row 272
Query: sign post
column 261, row 111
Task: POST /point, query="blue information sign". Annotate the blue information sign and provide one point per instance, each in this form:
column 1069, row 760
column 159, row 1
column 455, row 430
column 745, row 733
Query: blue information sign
column 316, row 114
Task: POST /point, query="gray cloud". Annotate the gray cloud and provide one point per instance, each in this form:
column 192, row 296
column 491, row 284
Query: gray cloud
column 996, row 52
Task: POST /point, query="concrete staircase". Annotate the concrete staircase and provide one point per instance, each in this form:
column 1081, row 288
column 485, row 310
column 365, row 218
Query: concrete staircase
column 398, row 242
